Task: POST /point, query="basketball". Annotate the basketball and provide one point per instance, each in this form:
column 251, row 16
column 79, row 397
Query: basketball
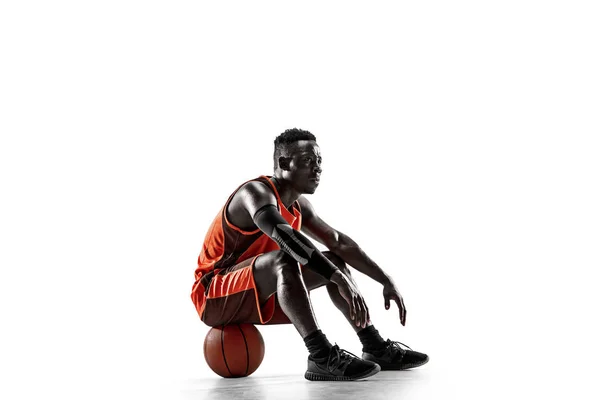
column 234, row 351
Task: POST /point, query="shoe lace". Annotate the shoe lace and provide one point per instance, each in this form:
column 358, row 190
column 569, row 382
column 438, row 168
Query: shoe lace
column 395, row 345
column 339, row 358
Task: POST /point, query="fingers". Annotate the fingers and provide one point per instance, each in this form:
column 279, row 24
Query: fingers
column 363, row 312
column 359, row 312
column 401, row 309
column 387, row 302
column 358, row 315
column 346, row 295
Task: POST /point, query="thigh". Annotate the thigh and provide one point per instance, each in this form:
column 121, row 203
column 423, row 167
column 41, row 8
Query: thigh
column 232, row 297
column 266, row 276
column 243, row 293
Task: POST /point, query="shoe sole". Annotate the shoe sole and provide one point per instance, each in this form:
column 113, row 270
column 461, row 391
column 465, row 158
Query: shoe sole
column 315, row 376
column 394, row 367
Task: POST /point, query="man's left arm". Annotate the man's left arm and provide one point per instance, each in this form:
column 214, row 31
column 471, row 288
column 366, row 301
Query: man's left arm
column 346, row 248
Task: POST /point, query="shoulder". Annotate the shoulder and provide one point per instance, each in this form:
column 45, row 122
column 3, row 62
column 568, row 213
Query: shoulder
column 256, row 189
column 246, row 200
column 251, row 196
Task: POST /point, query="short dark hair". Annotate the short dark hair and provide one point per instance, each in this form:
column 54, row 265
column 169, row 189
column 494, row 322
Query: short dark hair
column 286, row 138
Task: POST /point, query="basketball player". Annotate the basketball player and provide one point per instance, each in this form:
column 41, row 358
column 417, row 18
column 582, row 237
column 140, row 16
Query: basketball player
column 257, row 266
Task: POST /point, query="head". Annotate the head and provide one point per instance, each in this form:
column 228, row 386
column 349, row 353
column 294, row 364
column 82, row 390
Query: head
column 297, row 159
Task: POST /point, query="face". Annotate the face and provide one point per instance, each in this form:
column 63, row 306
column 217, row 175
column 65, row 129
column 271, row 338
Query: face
column 304, row 168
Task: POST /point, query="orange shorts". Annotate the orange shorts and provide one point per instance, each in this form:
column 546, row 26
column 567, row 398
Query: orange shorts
column 232, row 298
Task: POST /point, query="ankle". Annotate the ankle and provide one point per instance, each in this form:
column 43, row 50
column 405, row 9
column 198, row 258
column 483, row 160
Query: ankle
column 370, row 339
column 317, row 344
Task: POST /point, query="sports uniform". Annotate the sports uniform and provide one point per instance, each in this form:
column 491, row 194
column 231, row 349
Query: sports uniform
column 224, row 291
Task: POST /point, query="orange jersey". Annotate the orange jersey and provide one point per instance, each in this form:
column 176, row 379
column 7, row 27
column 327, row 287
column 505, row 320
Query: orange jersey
column 226, row 245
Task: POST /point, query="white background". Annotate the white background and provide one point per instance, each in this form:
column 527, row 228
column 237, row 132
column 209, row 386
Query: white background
column 460, row 147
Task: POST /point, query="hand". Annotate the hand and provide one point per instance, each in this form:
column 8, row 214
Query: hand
column 359, row 312
column 390, row 292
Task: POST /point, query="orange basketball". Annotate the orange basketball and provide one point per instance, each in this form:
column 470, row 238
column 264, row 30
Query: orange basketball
column 233, row 351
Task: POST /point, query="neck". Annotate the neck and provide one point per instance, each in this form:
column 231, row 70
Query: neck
column 287, row 193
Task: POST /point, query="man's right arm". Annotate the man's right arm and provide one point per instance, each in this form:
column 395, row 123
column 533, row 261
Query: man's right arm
column 261, row 205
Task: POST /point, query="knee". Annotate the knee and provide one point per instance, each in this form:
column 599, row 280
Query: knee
column 337, row 261
column 284, row 263
column 272, row 266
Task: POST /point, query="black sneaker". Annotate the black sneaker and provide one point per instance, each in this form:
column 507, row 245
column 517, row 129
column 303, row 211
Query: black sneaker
column 340, row 365
column 394, row 357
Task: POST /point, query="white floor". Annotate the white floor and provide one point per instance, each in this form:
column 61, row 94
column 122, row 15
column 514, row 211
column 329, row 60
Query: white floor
column 429, row 382
column 385, row 385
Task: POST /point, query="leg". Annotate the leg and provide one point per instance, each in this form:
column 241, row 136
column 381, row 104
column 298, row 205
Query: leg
column 313, row 280
column 277, row 272
column 242, row 293
column 388, row 354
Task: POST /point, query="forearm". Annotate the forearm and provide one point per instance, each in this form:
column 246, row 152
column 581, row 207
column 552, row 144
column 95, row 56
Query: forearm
column 293, row 242
column 352, row 254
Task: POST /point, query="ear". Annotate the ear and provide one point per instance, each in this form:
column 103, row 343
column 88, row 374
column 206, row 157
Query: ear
column 284, row 163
